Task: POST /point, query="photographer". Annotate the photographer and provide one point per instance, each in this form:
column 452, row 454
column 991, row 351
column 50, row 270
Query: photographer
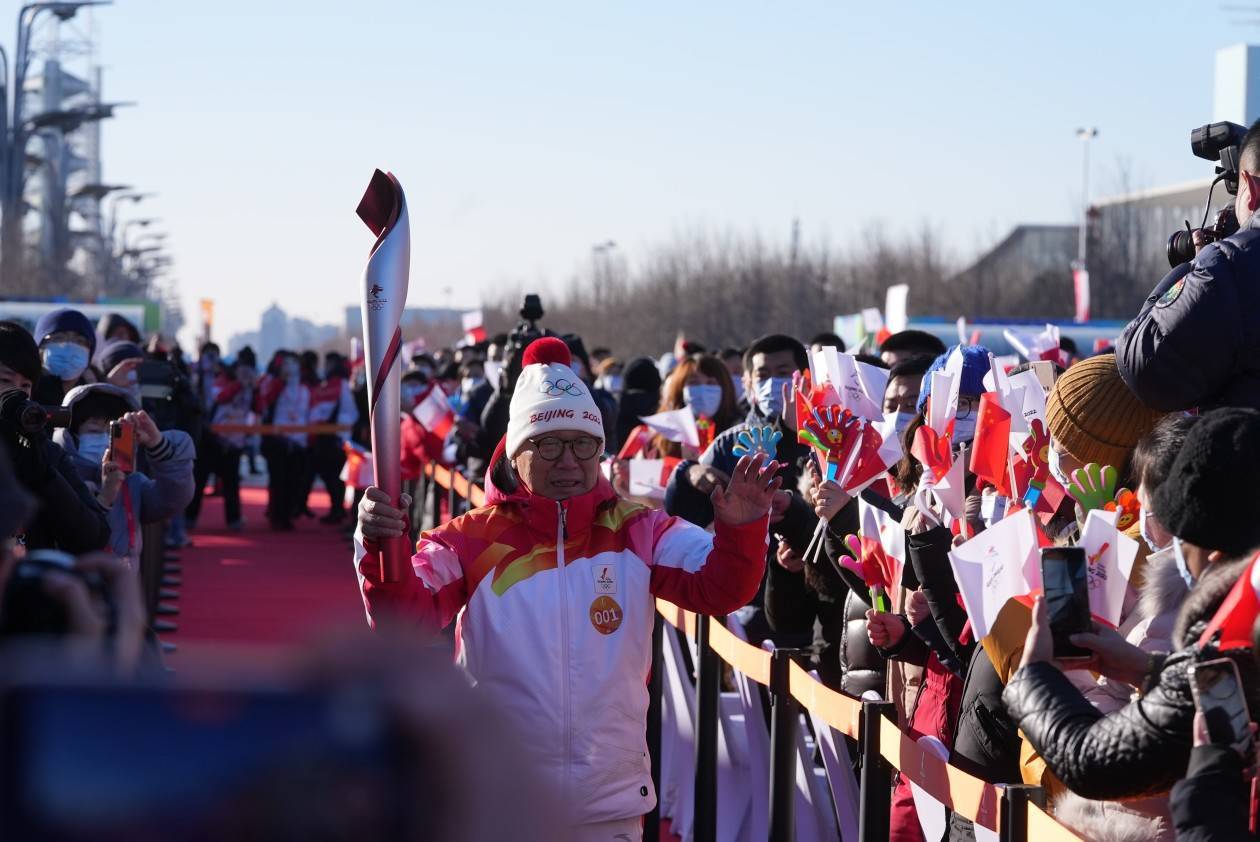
column 69, row 517
column 1194, row 343
column 134, row 493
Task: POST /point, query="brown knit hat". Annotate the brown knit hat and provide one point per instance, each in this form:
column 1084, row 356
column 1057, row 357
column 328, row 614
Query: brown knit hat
column 1092, row 414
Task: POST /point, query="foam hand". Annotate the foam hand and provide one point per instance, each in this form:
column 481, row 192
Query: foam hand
column 1093, row 486
column 757, row 440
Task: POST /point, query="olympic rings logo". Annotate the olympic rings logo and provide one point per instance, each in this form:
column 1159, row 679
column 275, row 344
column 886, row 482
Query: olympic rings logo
column 555, row 388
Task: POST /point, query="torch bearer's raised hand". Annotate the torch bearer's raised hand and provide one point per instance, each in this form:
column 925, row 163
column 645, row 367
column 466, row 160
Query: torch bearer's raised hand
column 378, row 519
column 750, row 492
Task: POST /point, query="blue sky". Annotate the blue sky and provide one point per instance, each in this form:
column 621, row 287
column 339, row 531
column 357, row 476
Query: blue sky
column 526, row 132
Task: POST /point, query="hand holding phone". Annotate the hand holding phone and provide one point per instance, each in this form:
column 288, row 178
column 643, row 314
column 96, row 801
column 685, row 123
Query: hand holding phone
column 1065, row 581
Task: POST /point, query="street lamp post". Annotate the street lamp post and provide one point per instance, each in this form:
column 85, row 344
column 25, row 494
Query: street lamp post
column 1086, row 135
column 602, row 252
column 13, row 179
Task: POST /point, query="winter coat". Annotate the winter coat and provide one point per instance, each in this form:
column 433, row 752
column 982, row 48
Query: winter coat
column 557, row 603
column 1194, row 342
column 819, row 600
column 1211, row 803
column 1144, row 747
column 162, row 489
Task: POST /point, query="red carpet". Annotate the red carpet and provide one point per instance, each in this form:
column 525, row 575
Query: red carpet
column 264, row 587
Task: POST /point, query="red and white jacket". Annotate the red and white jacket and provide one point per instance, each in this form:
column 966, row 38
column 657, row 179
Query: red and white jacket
column 555, row 603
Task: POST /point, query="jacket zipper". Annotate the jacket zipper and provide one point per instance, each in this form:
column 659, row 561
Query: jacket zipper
column 563, row 533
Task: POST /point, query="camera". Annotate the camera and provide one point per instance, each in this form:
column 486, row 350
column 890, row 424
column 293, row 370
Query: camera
column 525, row 332
column 29, row 417
column 28, row 608
column 1218, row 142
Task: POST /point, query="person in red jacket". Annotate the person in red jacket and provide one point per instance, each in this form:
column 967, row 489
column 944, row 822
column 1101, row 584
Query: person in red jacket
column 554, row 582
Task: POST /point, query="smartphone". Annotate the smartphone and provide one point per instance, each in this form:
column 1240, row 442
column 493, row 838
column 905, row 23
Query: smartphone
column 122, row 444
column 1219, row 697
column 1065, row 580
column 1044, row 369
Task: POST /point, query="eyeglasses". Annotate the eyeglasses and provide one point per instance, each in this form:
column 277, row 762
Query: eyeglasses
column 551, row 449
column 966, row 406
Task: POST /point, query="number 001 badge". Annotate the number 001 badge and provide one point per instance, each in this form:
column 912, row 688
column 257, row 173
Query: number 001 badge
column 605, row 615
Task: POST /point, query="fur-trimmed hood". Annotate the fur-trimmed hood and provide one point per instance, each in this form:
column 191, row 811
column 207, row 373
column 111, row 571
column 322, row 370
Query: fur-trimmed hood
column 1206, row 596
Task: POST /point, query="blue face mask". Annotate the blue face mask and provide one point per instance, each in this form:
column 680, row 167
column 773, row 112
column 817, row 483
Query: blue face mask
column 703, row 400
column 1182, row 567
column 770, row 395
column 64, row 360
column 92, row 446
column 903, row 421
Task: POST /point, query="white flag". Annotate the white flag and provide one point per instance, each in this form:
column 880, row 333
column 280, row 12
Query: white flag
column 676, row 425
column 999, row 563
column 1110, row 555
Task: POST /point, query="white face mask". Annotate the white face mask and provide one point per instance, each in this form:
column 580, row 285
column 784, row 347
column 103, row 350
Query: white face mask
column 964, row 429
column 92, row 446
column 1056, row 468
column 703, row 400
column 1182, row 567
column 1146, row 515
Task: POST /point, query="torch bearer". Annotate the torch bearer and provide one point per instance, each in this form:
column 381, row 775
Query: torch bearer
column 384, row 295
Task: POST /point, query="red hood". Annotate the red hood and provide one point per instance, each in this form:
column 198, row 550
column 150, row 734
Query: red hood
column 541, row 511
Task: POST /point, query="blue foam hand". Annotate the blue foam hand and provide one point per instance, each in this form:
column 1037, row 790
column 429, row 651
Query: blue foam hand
column 757, row 440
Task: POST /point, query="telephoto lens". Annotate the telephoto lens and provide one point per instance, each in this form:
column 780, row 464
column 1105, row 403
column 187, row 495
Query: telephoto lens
column 1180, row 248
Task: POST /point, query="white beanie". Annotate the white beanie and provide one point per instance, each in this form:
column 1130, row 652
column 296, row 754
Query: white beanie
column 549, row 397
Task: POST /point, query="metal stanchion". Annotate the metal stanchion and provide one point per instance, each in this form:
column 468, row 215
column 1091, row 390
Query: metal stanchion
column 784, row 719
column 707, row 687
column 1013, row 826
column 437, row 502
column 876, row 798
column 652, row 824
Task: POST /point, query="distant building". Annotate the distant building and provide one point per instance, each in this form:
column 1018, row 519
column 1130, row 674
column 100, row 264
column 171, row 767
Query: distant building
column 437, row 326
column 278, row 330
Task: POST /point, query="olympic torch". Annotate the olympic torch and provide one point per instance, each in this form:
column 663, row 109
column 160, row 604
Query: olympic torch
column 384, row 295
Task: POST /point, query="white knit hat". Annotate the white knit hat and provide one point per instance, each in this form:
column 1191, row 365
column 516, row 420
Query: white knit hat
column 549, row 397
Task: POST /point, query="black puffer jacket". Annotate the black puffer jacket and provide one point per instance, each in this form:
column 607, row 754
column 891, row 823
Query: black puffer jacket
column 1144, row 747
column 1195, row 343
column 820, row 602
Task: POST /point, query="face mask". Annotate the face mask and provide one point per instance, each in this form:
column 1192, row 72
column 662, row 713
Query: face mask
column 290, row 372
column 1146, row 535
column 964, row 429
column 471, row 384
column 1182, row 567
column 410, row 394
column 65, row 360
column 92, row 446
column 1056, row 469
column 770, row 395
column 613, row 383
column 903, row 421
column 738, row 383
column 703, row 400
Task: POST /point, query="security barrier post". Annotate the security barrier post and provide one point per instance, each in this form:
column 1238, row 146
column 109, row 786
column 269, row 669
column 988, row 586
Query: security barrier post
column 1013, row 826
column 652, row 824
column 876, row 798
column 784, row 719
column 708, row 670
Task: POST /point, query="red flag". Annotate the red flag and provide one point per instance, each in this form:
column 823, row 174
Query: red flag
column 932, row 451
column 1237, row 614
column 991, row 445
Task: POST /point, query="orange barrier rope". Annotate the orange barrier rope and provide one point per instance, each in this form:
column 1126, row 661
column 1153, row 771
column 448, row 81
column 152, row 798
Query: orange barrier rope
column 280, row 429
column 973, row 798
column 967, row 795
column 1043, row 827
column 844, row 713
column 752, row 661
column 445, row 477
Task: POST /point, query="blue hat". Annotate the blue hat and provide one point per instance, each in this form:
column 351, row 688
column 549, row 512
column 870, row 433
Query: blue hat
column 66, row 319
column 116, row 351
column 975, row 367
